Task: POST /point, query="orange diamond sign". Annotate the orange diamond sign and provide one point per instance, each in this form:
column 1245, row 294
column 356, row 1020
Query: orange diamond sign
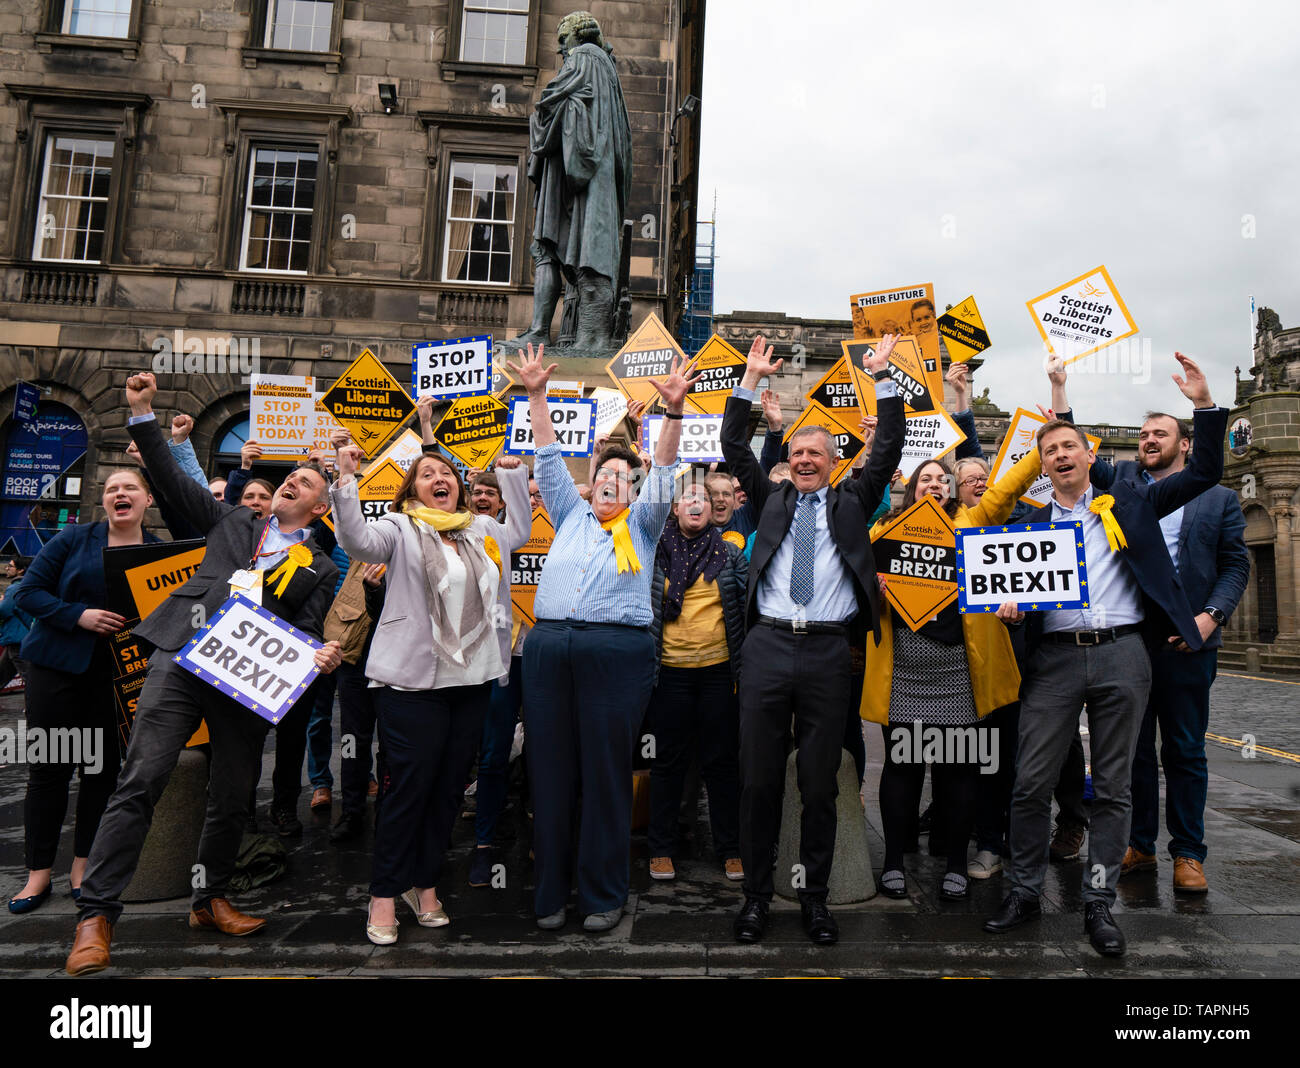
column 916, row 555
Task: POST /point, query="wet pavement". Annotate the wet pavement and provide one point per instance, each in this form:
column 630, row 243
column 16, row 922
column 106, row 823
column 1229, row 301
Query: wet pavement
column 1248, row 925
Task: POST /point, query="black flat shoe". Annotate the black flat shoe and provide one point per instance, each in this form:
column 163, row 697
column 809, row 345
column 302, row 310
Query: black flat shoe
column 20, row 905
column 349, row 826
column 1015, row 910
column 820, row 924
column 752, row 921
column 1103, row 932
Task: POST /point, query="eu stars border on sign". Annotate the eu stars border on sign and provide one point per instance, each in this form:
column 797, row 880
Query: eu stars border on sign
column 1038, row 566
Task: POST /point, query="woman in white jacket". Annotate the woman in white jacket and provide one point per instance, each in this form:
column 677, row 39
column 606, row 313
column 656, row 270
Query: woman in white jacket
column 439, row 646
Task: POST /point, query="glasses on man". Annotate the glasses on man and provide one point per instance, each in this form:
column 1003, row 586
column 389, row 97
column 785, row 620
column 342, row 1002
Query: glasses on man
column 621, row 476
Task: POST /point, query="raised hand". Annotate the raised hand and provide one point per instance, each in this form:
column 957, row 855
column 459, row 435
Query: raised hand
column 760, row 359
column 1055, row 367
column 338, row 437
column 772, row 409
column 249, row 452
column 677, row 384
column 424, row 409
column 140, row 390
column 530, row 370
column 635, row 410
column 958, row 377
column 879, row 360
column 349, row 459
column 133, row 451
column 507, row 463
column 1195, row 388
column 181, row 427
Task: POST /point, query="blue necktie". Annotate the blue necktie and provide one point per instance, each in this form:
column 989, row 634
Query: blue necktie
column 805, row 544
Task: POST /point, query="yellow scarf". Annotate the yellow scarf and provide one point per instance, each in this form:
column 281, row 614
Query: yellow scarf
column 624, row 550
column 1114, row 535
column 297, row 556
column 440, row 520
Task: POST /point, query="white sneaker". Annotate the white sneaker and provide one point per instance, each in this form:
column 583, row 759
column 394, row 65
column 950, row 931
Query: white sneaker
column 984, row 864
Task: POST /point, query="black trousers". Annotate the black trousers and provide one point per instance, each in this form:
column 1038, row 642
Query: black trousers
column 804, row 676
column 993, row 792
column 1070, row 787
column 169, row 710
column 586, row 688
column 428, row 738
column 291, row 747
column 356, row 734
column 79, row 708
column 695, row 705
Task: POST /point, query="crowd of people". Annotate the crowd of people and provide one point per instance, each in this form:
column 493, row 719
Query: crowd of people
column 731, row 614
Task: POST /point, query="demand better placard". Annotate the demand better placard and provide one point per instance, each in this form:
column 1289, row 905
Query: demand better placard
column 1039, row 566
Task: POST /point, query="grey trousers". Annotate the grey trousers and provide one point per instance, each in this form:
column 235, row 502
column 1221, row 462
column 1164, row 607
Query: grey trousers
column 1113, row 680
column 171, row 704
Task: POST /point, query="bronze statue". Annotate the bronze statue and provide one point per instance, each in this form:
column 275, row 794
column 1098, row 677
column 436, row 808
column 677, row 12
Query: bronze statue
column 580, row 163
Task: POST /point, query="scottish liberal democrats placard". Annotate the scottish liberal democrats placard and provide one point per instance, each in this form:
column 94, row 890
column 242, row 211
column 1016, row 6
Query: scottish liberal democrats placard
column 1039, row 566
column 255, row 657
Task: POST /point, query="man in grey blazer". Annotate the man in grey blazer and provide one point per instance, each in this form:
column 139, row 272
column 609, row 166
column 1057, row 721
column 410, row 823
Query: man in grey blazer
column 173, row 702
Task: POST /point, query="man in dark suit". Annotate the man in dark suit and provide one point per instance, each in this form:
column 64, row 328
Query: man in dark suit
column 1207, row 545
column 240, row 548
column 1098, row 655
column 812, row 587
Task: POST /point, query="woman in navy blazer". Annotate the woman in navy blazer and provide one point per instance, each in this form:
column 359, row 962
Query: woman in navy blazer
column 69, row 684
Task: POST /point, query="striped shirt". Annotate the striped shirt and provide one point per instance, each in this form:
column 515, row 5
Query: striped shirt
column 580, row 579
column 1114, row 597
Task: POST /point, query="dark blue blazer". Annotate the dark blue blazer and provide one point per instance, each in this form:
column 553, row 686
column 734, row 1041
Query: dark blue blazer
column 1139, row 507
column 1213, row 561
column 65, row 579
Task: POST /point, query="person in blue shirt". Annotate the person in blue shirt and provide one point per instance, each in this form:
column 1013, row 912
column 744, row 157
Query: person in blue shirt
column 589, row 662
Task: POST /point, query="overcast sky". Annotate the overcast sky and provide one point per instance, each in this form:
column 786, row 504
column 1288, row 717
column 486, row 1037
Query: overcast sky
column 842, row 138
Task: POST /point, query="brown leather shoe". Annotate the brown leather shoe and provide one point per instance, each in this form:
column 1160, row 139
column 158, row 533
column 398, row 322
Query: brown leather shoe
column 90, row 950
column 733, row 869
column 662, row 868
column 227, row 919
column 1189, row 876
column 1066, row 843
column 322, row 796
column 1135, row 861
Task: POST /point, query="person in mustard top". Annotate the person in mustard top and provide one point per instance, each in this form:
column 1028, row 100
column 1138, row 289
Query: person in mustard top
column 952, row 672
column 699, row 627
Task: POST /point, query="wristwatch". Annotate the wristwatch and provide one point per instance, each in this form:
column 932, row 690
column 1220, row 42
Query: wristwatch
column 880, row 376
column 1215, row 614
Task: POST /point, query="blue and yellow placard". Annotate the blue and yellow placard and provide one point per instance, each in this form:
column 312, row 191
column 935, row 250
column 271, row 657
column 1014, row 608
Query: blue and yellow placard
column 1038, row 566
column 247, row 653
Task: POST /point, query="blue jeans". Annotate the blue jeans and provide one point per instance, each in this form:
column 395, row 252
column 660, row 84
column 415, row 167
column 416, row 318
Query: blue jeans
column 320, row 735
column 1180, row 704
column 494, row 753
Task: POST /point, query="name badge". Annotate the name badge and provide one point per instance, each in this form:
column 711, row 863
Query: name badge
column 247, row 583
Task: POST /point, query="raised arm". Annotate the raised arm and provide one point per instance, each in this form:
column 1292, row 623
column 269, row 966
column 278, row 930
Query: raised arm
column 372, row 542
column 958, row 377
column 512, row 476
column 192, row 502
column 1205, row 465
column 773, row 440
column 887, row 447
column 999, row 499
column 735, row 424
column 183, row 450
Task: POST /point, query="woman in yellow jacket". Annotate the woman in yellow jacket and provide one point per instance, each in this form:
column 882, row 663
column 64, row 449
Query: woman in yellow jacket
column 951, row 673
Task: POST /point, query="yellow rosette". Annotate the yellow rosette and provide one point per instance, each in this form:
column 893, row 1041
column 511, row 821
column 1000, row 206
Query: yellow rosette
column 493, row 550
column 1102, row 506
column 298, row 556
column 624, row 549
column 734, row 537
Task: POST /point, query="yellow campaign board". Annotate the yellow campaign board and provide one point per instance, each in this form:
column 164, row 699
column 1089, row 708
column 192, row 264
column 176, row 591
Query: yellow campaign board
column 1083, row 315
column 473, row 430
column 1020, row 439
column 526, row 564
column 848, row 442
column 723, row 367
column 369, row 402
column 962, row 328
column 906, row 310
column 906, row 367
column 916, row 555
column 837, row 391
column 403, row 450
column 501, row 380
column 648, row 354
column 377, row 488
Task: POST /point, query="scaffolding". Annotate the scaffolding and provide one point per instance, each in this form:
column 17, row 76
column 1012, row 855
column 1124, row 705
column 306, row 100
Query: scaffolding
column 697, row 320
